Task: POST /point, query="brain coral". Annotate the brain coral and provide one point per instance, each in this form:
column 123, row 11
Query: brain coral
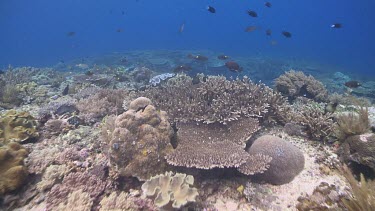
column 170, row 187
column 17, row 126
column 287, row 160
column 138, row 140
column 12, row 170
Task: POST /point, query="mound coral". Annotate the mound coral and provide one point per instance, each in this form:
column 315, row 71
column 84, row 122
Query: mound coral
column 170, row 188
column 286, row 163
column 296, row 83
column 138, row 140
column 12, row 170
column 17, row 126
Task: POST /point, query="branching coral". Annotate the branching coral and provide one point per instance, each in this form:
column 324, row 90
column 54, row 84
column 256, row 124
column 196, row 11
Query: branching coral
column 296, row 83
column 216, row 100
column 17, row 126
column 138, row 140
column 170, row 188
column 207, row 146
column 12, row 170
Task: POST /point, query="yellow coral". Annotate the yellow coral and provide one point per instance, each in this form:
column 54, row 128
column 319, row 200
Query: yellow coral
column 17, row 126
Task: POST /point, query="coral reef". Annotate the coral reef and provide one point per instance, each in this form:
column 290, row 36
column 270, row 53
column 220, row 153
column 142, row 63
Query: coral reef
column 296, row 83
column 137, row 140
column 170, row 188
column 77, row 201
column 207, row 146
column 359, row 149
column 126, row 201
column 12, row 170
column 17, row 126
column 286, row 163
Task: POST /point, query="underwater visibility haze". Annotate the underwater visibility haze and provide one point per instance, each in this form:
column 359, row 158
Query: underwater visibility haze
column 201, row 105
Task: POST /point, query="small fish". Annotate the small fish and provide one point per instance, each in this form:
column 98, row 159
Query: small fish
column 198, row 57
column 233, row 66
column 268, row 4
column 336, row 25
column 250, row 28
column 352, row 84
column 182, row 27
column 273, row 42
column 252, row 13
column 118, row 30
column 286, row 34
column 182, row 68
column 66, row 90
column 268, row 32
column 89, row 73
column 82, row 66
column 223, row 57
column 70, row 34
column 211, row 9
column 123, row 12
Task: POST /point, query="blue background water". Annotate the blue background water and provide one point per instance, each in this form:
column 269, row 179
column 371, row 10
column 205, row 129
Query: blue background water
column 35, row 32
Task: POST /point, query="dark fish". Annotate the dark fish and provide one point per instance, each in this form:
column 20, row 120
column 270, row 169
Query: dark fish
column 211, row 9
column 119, row 30
column 352, row 84
column 66, row 90
column 268, row 4
column 123, row 60
column 70, row 34
column 182, row 68
column 223, row 57
column 336, row 25
column 286, row 34
column 233, row 66
column 252, row 13
column 198, row 57
column 89, row 73
column 268, row 32
column 250, row 28
column 123, row 12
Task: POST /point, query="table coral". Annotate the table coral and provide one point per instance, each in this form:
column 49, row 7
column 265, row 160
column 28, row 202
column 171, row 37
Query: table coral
column 17, row 126
column 138, row 140
column 170, row 188
column 12, row 170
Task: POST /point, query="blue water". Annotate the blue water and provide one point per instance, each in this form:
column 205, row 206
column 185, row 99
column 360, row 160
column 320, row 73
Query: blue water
column 34, row 32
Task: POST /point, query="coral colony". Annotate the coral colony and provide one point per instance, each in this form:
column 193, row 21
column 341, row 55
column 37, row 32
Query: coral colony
column 132, row 136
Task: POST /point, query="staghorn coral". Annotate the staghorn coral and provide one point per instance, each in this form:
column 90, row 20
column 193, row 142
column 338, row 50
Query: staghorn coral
column 77, row 201
column 12, row 170
column 352, row 123
column 137, row 140
column 207, row 146
column 286, row 163
column 17, row 126
column 362, row 197
column 296, row 83
column 216, row 100
column 359, row 149
column 170, row 188
column 125, row 201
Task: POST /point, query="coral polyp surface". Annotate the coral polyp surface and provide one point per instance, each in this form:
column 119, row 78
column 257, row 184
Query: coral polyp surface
column 138, row 140
column 17, row 126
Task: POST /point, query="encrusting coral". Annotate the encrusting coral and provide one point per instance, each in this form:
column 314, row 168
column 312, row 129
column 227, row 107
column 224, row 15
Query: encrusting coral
column 170, row 188
column 296, row 83
column 12, row 170
column 286, row 163
column 207, row 146
column 138, row 140
column 17, row 126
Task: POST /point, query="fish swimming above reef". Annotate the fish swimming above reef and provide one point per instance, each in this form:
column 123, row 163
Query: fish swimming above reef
column 252, row 13
column 182, row 27
column 211, row 9
column 198, row 57
column 82, row 66
column 119, row 30
column 250, row 28
column 233, row 66
column 223, row 57
column 352, row 84
column 286, row 34
column 182, row 68
column 268, row 4
column 70, row 34
column 268, row 32
column 336, row 25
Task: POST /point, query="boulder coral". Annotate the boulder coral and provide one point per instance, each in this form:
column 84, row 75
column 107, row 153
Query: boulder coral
column 170, row 188
column 138, row 140
column 286, row 163
column 17, row 126
column 12, row 170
